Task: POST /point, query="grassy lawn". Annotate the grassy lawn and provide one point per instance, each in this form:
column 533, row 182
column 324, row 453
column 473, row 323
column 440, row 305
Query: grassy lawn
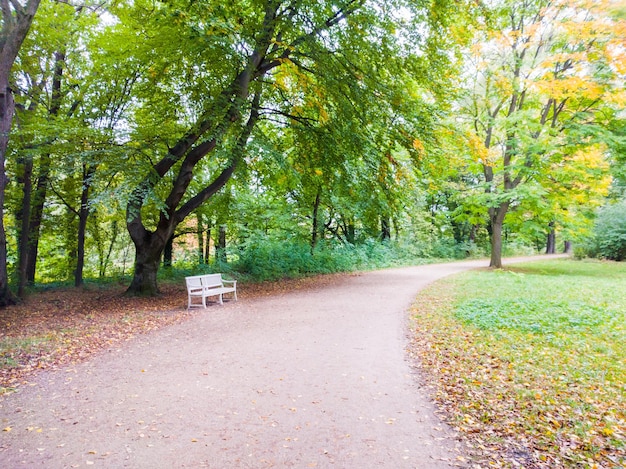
column 529, row 362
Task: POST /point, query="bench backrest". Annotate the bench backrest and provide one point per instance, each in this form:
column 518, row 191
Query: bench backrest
column 194, row 282
column 212, row 280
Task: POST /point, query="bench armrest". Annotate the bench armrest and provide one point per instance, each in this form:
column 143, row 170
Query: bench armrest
column 233, row 282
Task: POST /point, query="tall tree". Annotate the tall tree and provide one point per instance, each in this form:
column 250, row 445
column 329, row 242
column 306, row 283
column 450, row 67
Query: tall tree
column 233, row 58
column 541, row 73
column 16, row 21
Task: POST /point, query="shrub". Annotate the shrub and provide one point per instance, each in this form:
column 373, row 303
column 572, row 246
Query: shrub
column 610, row 232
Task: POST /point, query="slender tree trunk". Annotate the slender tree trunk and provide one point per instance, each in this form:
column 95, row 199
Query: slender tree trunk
column 315, row 222
column 207, row 247
column 36, row 215
column 551, row 240
column 567, row 247
column 23, row 221
column 83, row 215
column 220, row 251
column 39, row 196
column 385, row 229
column 200, row 237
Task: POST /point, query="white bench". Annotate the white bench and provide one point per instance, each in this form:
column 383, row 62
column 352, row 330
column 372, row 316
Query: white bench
column 203, row 286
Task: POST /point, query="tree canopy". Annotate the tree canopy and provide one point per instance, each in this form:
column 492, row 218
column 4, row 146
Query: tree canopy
column 443, row 126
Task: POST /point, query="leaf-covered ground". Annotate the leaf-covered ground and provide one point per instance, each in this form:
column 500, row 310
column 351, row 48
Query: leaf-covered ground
column 530, row 363
column 63, row 326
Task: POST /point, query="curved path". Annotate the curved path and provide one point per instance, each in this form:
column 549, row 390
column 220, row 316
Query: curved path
column 310, row 379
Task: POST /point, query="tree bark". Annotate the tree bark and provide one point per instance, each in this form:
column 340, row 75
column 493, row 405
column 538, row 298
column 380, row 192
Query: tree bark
column 567, row 247
column 7, row 107
column 220, row 249
column 207, row 247
column 23, row 217
column 146, row 267
column 36, row 215
column 551, row 240
column 496, row 222
column 385, row 229
column 200, row 237
column 83, row 215
column 315, row 222
column 168, row 252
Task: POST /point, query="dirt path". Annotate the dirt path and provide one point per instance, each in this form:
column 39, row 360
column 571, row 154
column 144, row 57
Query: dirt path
column 314, row 378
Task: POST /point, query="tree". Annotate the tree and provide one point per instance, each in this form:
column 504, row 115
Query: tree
column 222, row 103
column 541, row 74
column 16, row 22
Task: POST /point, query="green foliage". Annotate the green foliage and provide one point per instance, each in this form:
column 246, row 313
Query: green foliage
column 610, row 232
column 265, row 259
column 533, row 315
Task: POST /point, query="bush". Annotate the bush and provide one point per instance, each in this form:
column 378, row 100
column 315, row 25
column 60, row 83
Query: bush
column 610, row 232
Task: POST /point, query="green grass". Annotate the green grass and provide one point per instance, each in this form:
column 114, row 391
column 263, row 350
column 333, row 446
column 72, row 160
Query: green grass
column 533, row 357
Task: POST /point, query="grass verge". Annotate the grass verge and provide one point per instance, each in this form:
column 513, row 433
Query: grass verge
column 529, row 363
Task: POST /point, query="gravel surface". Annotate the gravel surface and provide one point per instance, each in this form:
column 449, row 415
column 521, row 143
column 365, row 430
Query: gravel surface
column 312, row 378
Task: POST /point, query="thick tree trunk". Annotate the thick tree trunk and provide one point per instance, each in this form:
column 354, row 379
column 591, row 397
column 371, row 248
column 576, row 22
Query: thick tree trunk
column 168, row 252
column 7, row 107
column 496, row 216
column 144, row 281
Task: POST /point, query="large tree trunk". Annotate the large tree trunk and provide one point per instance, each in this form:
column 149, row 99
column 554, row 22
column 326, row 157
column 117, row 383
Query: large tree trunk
column 168, row 252
column 7, row 107
column 496, row 216
column 147, row 259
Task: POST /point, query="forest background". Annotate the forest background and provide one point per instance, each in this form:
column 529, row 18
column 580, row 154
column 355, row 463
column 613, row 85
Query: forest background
column 269, row 139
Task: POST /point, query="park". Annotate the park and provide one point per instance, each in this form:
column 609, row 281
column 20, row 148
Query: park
column 339, row 233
